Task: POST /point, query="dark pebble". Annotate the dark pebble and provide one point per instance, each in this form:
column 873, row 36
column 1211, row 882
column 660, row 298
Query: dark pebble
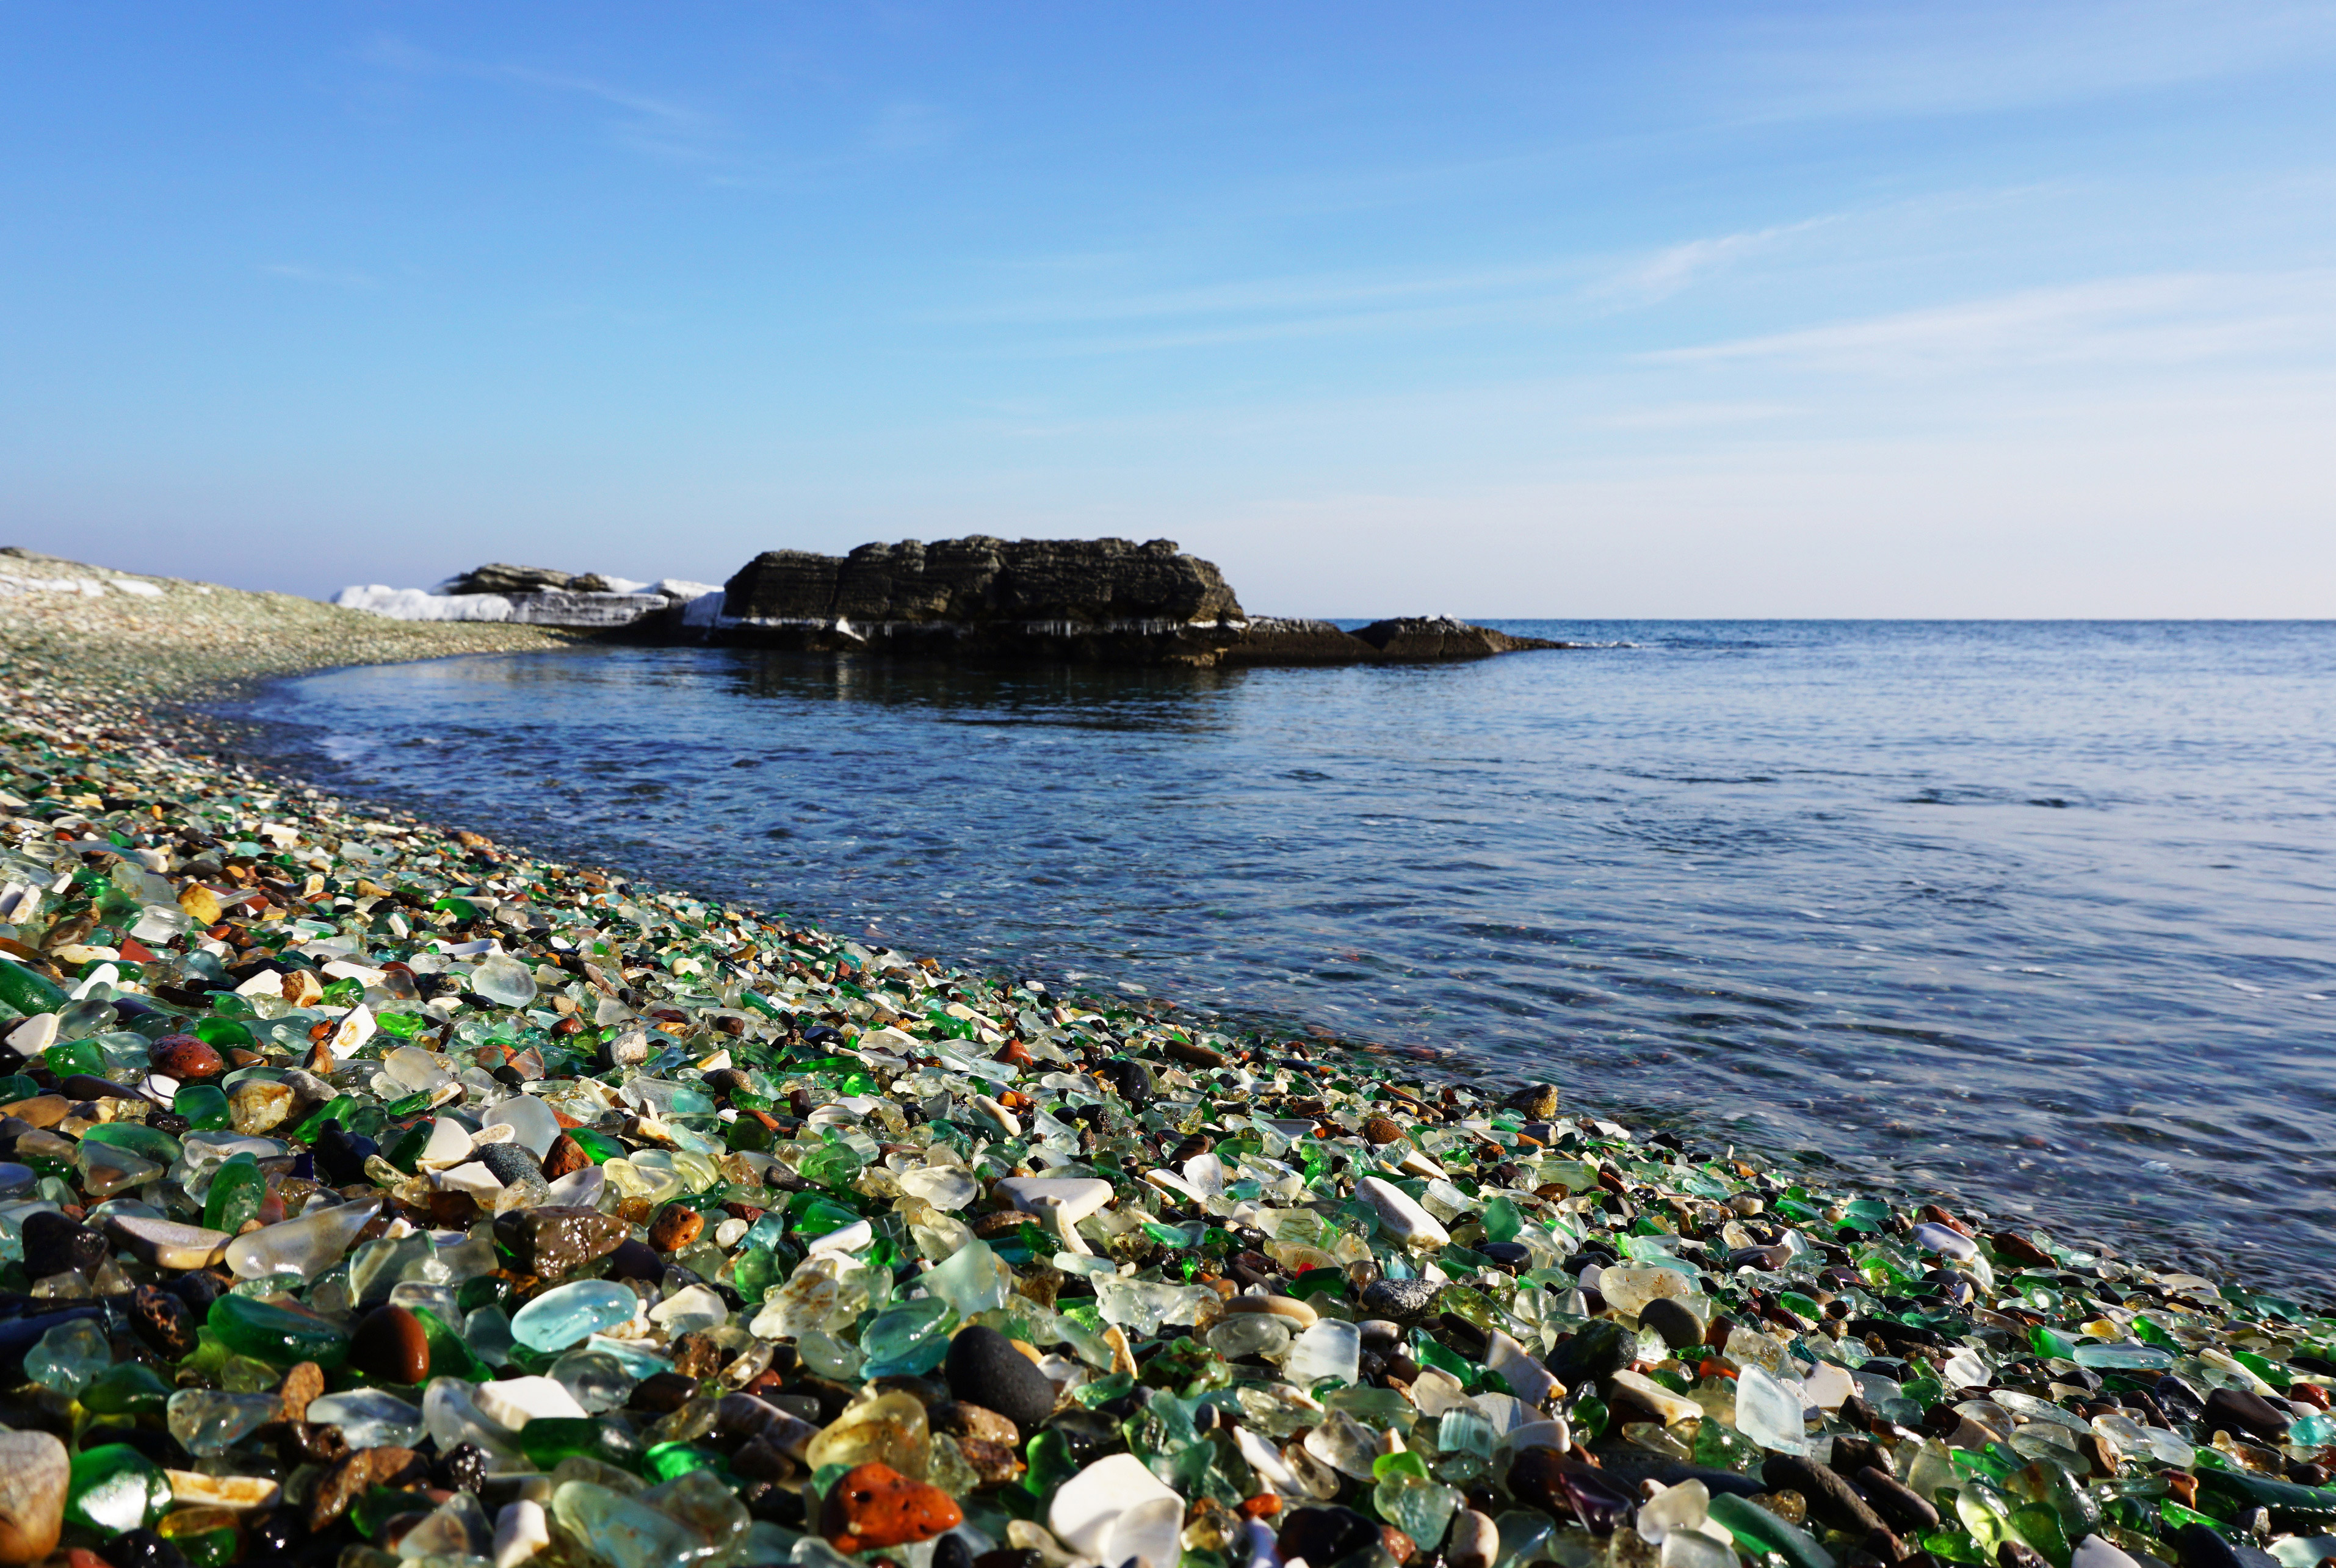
column 163, row 1320
column 341, row 1154
column 2230, row 1410
column 951, row 1552
column 1899, row 1504
column 389, row 1344
column 1514, row 1257
column 1596, row 1353
column 1679, row 1327
column 507, row 1162
column 1326, row 1534
column 1400, row 1300
column 1132, row 1079
column 557, row 1240
column 2198, row 1546
column 57, row 1245
column 984, row 1368
column 1831, row 1498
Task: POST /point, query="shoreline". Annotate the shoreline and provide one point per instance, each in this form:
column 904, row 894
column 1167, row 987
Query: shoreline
column 1452, row 1227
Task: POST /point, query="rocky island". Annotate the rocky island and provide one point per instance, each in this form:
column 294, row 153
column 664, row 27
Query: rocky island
column 972, row 600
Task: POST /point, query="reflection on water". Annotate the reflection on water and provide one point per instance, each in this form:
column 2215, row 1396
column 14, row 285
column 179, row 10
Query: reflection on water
column 2038, row 913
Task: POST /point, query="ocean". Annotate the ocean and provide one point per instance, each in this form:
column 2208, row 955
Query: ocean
column 2041, row 915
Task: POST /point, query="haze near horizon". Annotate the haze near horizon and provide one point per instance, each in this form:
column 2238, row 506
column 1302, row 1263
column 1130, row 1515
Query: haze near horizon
column 1504, row 311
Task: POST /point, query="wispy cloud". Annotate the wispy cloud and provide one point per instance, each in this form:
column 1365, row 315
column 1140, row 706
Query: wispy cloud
column 2159, row 319
column 1920, row 61
column 1675, row 267
column 648, row 123
column 325, row 277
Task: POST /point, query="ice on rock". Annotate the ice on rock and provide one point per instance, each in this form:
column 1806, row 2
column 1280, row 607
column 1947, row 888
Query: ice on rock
column 1768, row 1411
column 1116, row 1510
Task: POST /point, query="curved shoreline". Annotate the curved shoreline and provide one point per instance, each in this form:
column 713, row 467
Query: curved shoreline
column 1613, row 1309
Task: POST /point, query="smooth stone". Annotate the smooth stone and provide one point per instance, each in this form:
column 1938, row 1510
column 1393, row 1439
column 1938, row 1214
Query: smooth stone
column 1474, row 1541
column 507, row 1162
column 1537, row 1102
column 559, row 1239
column 2093, row 1551
column 1324, row 1534
column 34, row 1474
column 195, row 1489
column 2236, row 1410
column 1115, row 1510
column 389, row 1344
column 57, row 1245
column 1831, row 1498
column 873, row 1505
column 1400, row 1216
column 1905, row 1509
column 165, row 1244
column 984, row 1368
column 1075, row 1197
column 186, row 1058
column 1643, row 1390
column 1289, row 1306
column 1680, row 1328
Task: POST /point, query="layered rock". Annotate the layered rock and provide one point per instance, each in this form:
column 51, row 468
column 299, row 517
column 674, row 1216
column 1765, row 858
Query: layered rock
column 1104, row 601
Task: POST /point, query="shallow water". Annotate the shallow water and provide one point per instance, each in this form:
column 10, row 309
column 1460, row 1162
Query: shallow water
column 2037, row 914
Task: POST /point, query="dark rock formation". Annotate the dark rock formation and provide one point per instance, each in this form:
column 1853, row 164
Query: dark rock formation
column 1080, row 600
column 500, row 577
column 1412, row 640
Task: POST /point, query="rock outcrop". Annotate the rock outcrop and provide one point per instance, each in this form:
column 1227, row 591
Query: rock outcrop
column 976, row 600
column 1093, row 600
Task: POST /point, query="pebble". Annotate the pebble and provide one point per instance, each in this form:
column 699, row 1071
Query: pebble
column 873, row 1507
column 770, row 1197
column 166, row 1245
column 389, row 1344
column 986, row 1370
column 1400, row 1216
column 34, row 1475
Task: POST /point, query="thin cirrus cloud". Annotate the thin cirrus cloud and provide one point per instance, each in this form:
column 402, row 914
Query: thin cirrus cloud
column 324, row 276
column 2163, row 319
column 1920, row 62
column 1325, row 305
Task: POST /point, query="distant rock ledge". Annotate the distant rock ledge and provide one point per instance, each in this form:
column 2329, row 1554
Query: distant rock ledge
column 976, row 600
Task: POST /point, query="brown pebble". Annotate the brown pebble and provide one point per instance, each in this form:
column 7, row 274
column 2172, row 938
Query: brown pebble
column 564, row 1158
column 352, row 1478
column 302, row 1384
column 390, row 1345
column 676, row 1227
column 186, row 1058
column 1383, row 1130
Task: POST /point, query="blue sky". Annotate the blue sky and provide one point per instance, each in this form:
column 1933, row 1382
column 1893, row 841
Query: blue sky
column 1573, row 310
